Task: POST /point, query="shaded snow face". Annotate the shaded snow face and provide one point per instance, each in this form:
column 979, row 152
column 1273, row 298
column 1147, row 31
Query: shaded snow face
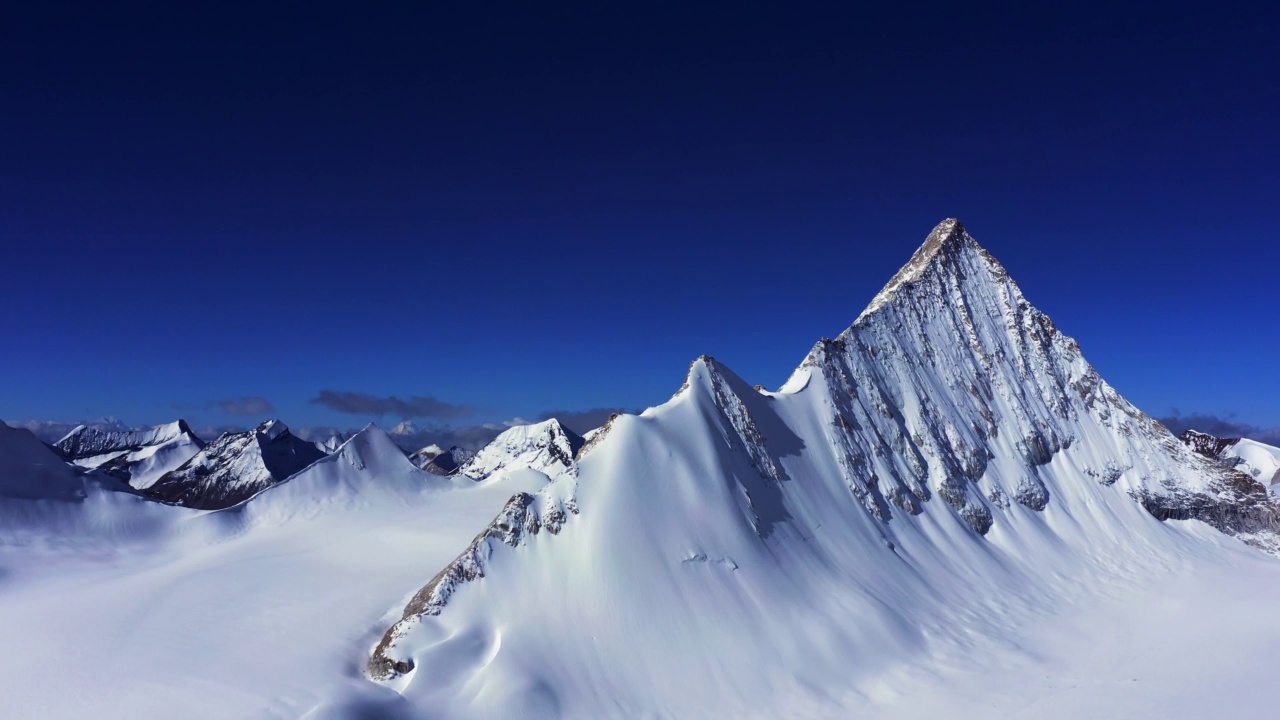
column 950, row 445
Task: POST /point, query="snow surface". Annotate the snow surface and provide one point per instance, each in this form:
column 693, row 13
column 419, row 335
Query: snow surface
column 944, row 513
column 262, row 610
column 1260, row 460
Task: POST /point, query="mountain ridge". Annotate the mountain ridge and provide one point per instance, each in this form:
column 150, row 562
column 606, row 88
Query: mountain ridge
column 949, row 426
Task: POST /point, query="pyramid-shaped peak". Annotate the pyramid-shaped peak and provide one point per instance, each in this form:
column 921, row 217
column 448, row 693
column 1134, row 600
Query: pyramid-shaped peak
column 948, row 230
column 273, row 428
column 948, row 241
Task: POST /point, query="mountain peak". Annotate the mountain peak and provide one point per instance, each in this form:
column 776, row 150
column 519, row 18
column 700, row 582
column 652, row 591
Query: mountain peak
column 945, row 240
column 547, row 446
column 273, row 429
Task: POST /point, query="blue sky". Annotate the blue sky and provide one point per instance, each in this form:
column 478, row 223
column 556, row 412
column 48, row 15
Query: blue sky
column 511, row 213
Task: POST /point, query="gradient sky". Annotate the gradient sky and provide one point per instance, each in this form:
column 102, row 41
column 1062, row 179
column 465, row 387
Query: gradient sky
column 513, row 210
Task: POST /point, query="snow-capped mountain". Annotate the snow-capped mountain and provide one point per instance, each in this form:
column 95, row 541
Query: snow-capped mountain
column 331, row 445
column 946, row 470
column 48, row 502
column 138, row 457
column 369, row 467
column 944, row 512
column 235, row 467
column 547, row 447
column 439, row 461
column 1259, row 460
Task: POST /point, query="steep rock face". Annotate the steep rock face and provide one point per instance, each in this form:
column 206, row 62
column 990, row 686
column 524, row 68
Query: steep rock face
column 235, row 467
column 949, row 445
column 950, row 368
column 547, row 447
column 1210, row 446
column 137, row 457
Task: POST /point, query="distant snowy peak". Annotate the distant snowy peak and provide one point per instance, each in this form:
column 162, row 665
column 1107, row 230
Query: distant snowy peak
column 547, row 447
column 86, row 441
column 439, row 461
column 330, row 446
column 1210, row 446
column 235, row 467
column 1258, row 460
column 137, row 457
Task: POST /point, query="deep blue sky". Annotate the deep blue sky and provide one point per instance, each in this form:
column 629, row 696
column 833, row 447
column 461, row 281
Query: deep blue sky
column 522, row 210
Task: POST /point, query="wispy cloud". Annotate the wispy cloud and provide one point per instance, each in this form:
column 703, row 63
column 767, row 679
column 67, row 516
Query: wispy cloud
column 1222, row 426
column 414, row 406
column 248, row 406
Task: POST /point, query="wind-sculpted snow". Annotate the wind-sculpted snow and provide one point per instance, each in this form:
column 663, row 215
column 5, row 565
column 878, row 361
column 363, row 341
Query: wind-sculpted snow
column 519, row 519
column 236, row 467
column 945, row 470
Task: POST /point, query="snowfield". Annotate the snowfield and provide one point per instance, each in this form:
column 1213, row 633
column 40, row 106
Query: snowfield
column 944, row 512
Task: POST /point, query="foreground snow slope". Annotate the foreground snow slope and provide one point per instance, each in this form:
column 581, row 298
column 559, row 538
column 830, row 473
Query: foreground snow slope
column 262, row 610
column 931, row 486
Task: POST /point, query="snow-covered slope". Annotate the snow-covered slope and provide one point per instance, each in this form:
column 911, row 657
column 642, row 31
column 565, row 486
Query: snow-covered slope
column 29, row 470
column 256, row 611
column 137, row 457
column 925, row 488
column 368, row 468
column 547, row 447
column 1259, row 460
column 46, row 502
column 235, row 467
